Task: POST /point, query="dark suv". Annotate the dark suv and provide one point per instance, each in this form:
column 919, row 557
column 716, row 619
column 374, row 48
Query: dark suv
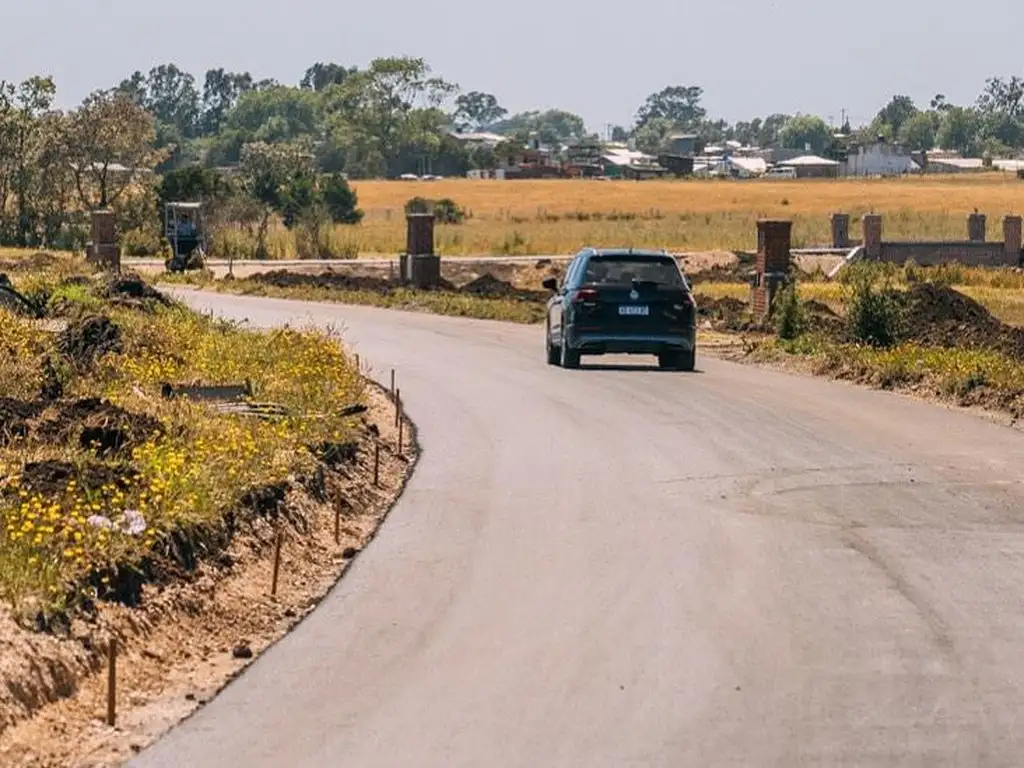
column 622, row 301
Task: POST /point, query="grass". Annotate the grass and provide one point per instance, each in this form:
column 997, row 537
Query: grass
column 552, row 217
column 185, row 466
column 963, row 376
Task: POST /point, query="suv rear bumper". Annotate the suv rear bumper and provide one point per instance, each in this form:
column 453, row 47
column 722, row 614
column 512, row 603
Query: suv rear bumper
column 597, row 343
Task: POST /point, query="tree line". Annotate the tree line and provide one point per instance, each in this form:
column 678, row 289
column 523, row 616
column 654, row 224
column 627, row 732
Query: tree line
column 159, row 134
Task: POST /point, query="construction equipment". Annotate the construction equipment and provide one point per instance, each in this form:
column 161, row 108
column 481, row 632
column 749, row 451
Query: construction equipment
column 184, row 230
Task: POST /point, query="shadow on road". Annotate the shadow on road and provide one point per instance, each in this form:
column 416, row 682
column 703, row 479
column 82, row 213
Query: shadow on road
column 634, row 367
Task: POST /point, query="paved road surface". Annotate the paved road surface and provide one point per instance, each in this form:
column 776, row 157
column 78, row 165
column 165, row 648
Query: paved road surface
column 630, row 568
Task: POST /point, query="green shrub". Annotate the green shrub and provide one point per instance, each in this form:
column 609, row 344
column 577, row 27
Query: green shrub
column 787, row 313
column 446, row 210
column 872, row 309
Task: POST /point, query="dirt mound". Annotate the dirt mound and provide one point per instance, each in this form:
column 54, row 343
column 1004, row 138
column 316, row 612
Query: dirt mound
column 98, row 425
column 13, row 301
column 14, row 418
column 37, row 261
column 52, row 477
column 488, row 285
column 333, row 280
column 89, row 338
column 727, row 313
column 134, row 289
column 491, row 287
column 937, row 315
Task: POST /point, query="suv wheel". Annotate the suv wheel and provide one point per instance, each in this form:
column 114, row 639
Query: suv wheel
column 678, row 361
column 554, row 353
column 569, row 358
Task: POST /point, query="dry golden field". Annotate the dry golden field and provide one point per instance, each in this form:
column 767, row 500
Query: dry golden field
column 560, row 216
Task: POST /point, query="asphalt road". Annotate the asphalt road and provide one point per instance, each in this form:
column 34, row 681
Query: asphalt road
column 623, row 567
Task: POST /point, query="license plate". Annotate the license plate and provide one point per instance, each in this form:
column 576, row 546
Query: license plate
column 634, row 309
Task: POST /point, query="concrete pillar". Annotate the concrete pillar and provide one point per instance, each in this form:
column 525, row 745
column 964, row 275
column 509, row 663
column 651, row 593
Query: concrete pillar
column 872, row 235
column 976, row 227
column 840, row 230
column 1012, row 238
column 773, row 263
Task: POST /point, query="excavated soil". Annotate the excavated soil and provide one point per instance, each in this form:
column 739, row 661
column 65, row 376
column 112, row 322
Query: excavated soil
column 87, row 339
column 96, row 425
column 132, row 291
column 937, row 315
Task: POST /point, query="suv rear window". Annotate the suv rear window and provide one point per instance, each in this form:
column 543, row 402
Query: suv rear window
column 619, row 270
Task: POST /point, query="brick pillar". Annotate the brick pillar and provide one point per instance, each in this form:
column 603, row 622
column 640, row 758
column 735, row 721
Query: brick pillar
column 840, row 230
column 420, row 265
column 1012, row 238
column 872, row 235
column 420, row 239
column 104, row 250
column 773, row 265
column 976, row 227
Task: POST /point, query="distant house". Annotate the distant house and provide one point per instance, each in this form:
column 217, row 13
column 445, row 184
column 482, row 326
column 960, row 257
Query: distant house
column 630, row 164
column 681, row 144
column 812, row 167
column 879, row 158
column 739, row 167
column 952, row 164
column 479, row 139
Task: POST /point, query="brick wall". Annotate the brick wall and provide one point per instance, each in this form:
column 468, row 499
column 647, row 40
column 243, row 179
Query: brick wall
column 930, row 254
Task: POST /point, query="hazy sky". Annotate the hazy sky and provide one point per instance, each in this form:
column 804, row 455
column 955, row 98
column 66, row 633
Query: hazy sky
column 597, row 58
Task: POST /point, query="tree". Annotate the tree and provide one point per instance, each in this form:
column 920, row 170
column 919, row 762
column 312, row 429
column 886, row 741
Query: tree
column 748, row 132
column 319, row 76
column 959, row 130
column 109, row 141
column 619, row 133
column 341, row 200
column 918, row 132
column 771, row 129
column 272, row 175
column 221, row 91
column 1004, row 96
column 551, row 127
column 897, row 112
column 801, row 130
column 392, row 105
column 652, row 135
column 677, row 103
column 275, row 114
column 23, row 148
column 169, row 94
column 476, row 110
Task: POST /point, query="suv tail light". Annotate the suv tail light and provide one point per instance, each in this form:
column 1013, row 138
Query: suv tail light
column 585, row 295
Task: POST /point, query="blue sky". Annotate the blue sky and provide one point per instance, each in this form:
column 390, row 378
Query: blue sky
column 598, row 58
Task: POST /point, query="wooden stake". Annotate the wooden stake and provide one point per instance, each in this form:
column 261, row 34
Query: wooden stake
column 277, row 564
column 398, row 406
column 337, row 523
column 376, row 464
column 392, row 382
column 401, row 423
column 112, row 682
column 359, row 367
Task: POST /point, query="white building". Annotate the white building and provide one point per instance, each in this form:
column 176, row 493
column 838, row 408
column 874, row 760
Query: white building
column 880, row 159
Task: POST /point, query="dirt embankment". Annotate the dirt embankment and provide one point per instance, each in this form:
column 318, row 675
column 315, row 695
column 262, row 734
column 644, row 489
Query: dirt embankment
column 189, row 621
column 485, row 285
column 197, row 608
